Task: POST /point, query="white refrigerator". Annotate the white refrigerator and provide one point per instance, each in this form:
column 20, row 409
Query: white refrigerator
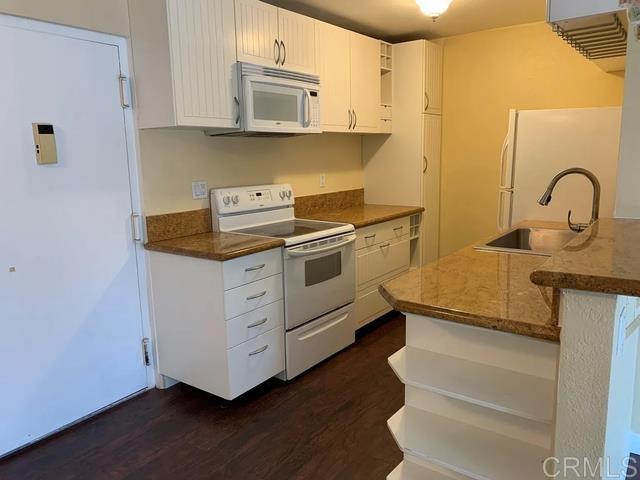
column 542, row 143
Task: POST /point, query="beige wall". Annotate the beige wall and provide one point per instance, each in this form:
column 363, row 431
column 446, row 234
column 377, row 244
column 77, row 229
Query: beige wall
column 172, row 159
column 486, row 74
column 108, row 16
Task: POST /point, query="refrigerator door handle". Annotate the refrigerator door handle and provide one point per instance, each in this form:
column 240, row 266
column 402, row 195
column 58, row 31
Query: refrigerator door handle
column 501, row 206
column 503, row 163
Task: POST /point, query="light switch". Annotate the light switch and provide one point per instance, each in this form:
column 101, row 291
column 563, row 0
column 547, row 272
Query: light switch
column 200, row 190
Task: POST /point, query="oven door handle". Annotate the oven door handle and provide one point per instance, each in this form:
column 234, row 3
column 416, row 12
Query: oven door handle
column 333, row 246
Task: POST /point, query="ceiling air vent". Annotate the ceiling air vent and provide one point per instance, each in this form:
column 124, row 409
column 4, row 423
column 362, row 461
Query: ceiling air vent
column 601, row 38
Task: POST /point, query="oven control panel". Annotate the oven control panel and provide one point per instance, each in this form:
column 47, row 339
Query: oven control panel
column 234, row 200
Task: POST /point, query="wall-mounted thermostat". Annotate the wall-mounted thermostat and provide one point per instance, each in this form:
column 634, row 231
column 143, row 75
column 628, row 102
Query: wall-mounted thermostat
column 44, row 140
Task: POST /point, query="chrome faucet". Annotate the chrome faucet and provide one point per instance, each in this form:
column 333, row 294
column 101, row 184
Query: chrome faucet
column 545, row 199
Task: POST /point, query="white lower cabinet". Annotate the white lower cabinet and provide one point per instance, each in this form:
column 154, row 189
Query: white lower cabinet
column 250, row 325
column 382, row 253
column 222, row 341
column 253, row 362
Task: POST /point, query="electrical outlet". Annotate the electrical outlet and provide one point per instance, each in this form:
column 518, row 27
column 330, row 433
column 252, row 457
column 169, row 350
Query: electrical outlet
column 323, row 180
column 200, row 190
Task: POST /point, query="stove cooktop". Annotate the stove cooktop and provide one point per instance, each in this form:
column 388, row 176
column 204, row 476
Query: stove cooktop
column 290, row 229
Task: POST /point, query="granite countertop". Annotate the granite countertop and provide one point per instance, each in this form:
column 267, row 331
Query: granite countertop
column 364, row 215
column 604, row 258
column 480, row 288
column 215, row 245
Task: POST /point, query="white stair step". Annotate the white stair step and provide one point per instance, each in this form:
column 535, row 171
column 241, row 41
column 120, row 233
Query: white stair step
column 500, row 389
column 408, row 470
column 465, row 449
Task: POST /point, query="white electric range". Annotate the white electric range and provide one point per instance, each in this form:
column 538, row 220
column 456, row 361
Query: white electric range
column 319, row 268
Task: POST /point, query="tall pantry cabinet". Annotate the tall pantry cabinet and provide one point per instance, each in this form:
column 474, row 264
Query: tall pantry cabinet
column 404, row 168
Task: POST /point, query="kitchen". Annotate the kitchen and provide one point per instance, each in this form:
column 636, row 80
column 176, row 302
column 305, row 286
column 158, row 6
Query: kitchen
column 373, row 111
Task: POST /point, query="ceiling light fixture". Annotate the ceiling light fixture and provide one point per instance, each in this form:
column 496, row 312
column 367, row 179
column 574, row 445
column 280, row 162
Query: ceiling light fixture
column 433, row 8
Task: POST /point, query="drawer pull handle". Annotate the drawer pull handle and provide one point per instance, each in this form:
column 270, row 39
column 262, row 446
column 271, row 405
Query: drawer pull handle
column 385, row 245
column 258, row 351
column 398, row 228
column 258, row 323
column 257, row 295
column 253, row 269
column 367, row 237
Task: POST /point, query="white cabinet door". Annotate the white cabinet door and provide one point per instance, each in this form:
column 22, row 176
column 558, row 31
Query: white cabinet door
column 433, row 79
column 298, row 41
column 334, row 67
column 365, row 83
column 203, row 53
column 257, row 33
column 431, row 188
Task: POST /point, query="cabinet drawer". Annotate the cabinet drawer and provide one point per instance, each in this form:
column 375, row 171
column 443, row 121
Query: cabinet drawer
column 382, row 232
column 254, row 295
column 255, row 361
column 380, row 260
column 255, row 323
column 243, row 270
column 370, row 305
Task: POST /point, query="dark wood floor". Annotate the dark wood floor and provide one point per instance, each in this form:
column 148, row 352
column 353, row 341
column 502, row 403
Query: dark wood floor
column 330, row 423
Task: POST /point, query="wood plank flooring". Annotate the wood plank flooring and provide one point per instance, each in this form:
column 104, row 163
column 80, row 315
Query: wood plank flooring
column 330, row 423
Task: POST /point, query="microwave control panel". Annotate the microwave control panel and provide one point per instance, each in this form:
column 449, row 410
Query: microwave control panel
column 314, row 97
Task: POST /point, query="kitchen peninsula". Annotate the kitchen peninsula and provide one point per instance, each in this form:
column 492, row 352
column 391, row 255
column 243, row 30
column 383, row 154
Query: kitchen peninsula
column 500, row 372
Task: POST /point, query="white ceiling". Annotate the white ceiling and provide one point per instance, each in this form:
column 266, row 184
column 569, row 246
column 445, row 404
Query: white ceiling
column 402, row 19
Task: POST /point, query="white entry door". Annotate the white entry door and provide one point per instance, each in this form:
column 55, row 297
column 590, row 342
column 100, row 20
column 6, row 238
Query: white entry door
column 70, row 305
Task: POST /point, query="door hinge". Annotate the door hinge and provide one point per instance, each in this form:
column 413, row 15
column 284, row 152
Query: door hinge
column 125, row 91
column 146, row 351
column 136, row 227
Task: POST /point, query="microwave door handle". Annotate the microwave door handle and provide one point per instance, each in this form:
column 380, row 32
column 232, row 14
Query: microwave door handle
column 335, row 246
column 306, row 107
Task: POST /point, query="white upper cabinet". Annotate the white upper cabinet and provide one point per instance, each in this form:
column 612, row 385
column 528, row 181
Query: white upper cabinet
column 433, row 79
column 257, row 33
column 569, row 9
column 184, row 59
column 274, row 37
column 334, row 67
column 298, row 41
column 349, row 68
column 365, row 83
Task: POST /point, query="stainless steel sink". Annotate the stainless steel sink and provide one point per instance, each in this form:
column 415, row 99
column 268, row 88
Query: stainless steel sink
column 531, row 241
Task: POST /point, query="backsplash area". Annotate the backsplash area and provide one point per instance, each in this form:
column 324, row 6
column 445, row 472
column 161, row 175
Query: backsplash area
column 172, row 159
column 182, row 224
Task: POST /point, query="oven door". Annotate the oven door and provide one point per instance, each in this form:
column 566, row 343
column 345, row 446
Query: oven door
column 275, row 105
column 319, row 277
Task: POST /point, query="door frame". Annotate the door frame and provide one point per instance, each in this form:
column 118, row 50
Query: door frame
column 133, row 159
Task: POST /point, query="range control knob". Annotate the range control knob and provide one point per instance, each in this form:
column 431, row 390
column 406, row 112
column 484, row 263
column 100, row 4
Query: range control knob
column 289, row 193
column 226, row 199
column 235, row 199
column 282, row 195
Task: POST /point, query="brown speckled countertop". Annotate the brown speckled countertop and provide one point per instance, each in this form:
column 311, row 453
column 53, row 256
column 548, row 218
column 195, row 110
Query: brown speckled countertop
column 604, row 258
column 215, row 245
column 364, row 215
column 483, row 289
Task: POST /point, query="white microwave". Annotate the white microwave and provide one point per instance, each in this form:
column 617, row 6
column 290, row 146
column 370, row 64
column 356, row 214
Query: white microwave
column 277, row 102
